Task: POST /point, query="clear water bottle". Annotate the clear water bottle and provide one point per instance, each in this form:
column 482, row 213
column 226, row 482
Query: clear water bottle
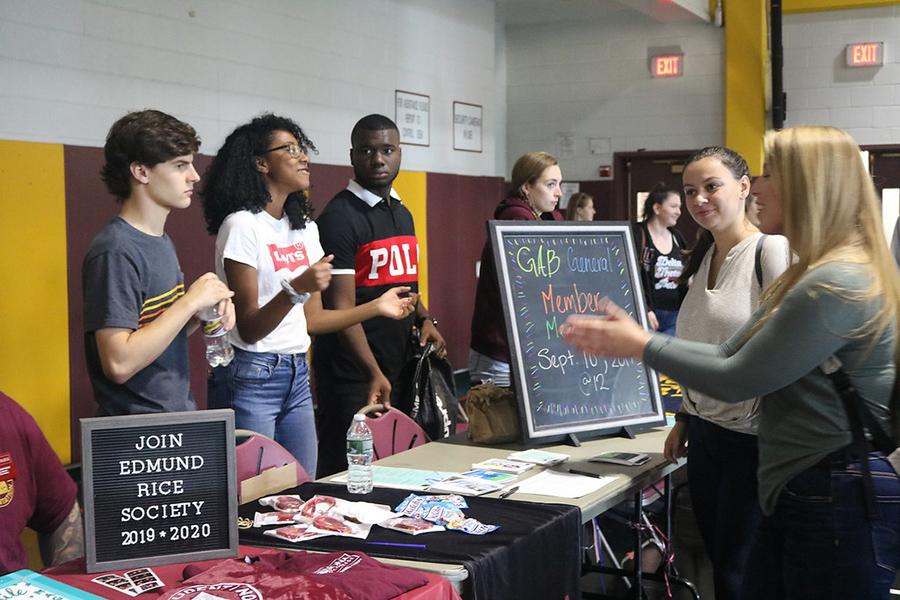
column 218, row 349
column 359, row 456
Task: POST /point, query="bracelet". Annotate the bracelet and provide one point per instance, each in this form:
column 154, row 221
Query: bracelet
column 681, row 417
column 293, row 295
column 426, row 318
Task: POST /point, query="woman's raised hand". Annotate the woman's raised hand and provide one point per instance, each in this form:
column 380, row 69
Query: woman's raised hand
column 613, row 334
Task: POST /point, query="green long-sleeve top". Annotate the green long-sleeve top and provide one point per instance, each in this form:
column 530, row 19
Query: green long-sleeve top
column 802, row 418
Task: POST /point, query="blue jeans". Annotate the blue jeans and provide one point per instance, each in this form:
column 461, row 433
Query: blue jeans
column 722, row 480
column 270, row 395
column 666, row 320
column 488, row 370
column 820, row 542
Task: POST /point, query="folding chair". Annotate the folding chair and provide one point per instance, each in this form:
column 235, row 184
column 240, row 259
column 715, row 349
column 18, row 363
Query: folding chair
column 392, row 432
column 264, row 466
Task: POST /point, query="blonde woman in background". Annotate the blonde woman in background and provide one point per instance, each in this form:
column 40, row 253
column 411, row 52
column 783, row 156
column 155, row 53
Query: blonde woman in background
column 831, row 502
column 581, row 207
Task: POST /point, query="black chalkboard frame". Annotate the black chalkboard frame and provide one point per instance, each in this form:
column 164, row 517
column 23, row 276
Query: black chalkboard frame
column 497, row 231
column 90, row 452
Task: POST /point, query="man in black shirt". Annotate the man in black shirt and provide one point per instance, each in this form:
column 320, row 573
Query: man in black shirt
column 373, row 240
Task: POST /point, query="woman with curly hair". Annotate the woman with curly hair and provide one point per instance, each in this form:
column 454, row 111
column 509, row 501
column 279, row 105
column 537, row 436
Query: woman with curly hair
column 267, row 249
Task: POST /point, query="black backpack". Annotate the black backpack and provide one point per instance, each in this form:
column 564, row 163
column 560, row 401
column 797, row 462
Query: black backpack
column 427, row 393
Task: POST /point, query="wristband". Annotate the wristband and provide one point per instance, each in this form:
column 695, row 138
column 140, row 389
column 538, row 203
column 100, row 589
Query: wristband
column 293, row 295
column 427, row 318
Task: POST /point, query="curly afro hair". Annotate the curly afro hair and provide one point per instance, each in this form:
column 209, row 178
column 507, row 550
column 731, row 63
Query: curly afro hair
column 233, row 183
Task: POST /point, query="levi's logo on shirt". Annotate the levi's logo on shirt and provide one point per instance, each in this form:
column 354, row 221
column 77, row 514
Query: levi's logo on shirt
column 389, row 261
column 288, row 257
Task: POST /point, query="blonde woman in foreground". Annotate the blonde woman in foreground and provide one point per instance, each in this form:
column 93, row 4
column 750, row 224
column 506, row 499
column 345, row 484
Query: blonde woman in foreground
column 831, row 502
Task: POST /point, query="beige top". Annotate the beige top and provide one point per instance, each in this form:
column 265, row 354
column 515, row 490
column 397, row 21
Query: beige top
column 714, row 315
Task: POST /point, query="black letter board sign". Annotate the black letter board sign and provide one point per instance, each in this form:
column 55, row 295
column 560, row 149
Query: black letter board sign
column 548, row 271
column 159, row 489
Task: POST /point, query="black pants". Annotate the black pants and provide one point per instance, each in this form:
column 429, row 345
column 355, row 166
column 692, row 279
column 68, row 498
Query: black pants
column 722, row 480
column 338, row 400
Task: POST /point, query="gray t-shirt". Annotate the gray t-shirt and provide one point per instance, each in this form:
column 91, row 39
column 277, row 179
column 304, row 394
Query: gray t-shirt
column 130, row 278
column 713, row 314
column 802, row 418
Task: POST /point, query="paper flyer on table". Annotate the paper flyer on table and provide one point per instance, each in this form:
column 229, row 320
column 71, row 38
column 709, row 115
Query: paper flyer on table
column 562, row 485
column 400, row 478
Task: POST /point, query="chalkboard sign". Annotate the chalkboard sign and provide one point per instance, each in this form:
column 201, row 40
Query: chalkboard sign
column 159, row 489
column 548, row 271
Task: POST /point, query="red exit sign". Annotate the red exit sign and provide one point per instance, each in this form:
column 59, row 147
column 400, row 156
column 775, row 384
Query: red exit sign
column 667, row 65
column 866, row 54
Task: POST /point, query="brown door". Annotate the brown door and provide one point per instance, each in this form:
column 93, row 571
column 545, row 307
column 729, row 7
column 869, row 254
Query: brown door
column 884, row 164
column 636, row 173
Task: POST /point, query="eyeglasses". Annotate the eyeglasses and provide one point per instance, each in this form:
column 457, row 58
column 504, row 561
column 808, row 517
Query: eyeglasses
column 293, row 150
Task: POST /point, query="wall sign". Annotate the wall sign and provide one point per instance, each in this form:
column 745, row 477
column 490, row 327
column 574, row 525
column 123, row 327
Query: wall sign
column 413, row 117
column 568, row 189
column 467, row 127
column 159, row 489
column 547, row 272
column 667, row 65
column 866, row 54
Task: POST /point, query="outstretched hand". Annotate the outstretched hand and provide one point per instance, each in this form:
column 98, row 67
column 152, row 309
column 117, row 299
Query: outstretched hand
column 614, row 334
column 394, row 305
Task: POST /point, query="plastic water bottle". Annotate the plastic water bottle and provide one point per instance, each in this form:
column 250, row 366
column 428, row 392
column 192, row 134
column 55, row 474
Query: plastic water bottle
column 359, row 456
column 218, row 349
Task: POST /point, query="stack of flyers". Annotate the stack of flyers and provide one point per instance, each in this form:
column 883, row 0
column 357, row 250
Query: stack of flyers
column 131, row 583
column 492, row 476
column 539, row 457
column 503, row 465
column 466, row 486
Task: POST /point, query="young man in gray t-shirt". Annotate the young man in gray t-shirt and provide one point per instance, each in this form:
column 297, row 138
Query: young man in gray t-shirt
column 137, row 314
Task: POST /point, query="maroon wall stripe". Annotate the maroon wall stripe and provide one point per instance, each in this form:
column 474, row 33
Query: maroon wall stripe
column 458, row 209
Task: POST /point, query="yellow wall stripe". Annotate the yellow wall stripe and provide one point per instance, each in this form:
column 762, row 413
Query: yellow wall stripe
column 413, row 189
column 746, row 49
column 34, row 306
column 799, row 6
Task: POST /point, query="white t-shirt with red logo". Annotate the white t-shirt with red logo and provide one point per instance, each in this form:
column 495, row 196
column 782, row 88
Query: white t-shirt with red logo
column 277, row 252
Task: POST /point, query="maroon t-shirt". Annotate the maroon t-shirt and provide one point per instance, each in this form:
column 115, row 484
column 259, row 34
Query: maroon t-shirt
column 311, row 576
column 35, row 490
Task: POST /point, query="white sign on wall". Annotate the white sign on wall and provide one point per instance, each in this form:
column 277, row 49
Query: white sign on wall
column 568, row 188
column 467, row 127
column 413, row 116
column 566, row 143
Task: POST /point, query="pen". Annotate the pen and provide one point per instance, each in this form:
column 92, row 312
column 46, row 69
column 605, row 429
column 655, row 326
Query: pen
column 398, row 544
column 509, row 492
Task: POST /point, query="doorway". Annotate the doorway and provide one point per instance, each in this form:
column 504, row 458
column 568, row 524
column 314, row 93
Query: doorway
column 884, row 165
column 636, row 173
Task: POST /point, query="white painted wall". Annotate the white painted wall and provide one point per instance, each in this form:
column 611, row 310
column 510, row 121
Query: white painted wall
column 69, row 68
column 823, row 91
column 593, row 81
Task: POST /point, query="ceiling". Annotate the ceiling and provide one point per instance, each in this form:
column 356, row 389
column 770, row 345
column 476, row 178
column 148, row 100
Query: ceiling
column 534, row 12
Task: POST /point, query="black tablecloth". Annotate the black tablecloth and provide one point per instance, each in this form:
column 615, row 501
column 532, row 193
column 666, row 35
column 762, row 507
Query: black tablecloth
column 536, row 552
